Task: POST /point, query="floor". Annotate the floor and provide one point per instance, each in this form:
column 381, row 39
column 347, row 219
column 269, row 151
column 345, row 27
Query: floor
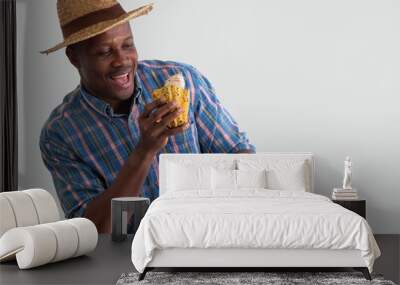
column 389, row 262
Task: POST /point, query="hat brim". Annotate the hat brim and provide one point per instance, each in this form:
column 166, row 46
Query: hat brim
column 99, row 28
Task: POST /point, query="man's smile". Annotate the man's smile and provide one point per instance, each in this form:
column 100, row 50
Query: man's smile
column 122, row 80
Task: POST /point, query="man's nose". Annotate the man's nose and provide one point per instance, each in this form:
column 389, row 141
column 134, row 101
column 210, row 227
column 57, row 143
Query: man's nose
column 120, row 59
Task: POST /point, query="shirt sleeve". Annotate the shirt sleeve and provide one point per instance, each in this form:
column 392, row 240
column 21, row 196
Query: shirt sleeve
column 218, row 131
column 75, row 182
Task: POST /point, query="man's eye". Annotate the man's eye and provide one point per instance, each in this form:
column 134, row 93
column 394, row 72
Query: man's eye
column 128, row 45
column 104, row 52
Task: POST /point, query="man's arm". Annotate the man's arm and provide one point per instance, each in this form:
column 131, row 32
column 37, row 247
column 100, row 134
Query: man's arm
column 154, row 136
column 218, row 130
column 245, row 151
column 78, row 186
column 128, row 183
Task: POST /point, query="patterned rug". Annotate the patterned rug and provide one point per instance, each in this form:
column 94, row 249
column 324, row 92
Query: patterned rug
column 269, row 278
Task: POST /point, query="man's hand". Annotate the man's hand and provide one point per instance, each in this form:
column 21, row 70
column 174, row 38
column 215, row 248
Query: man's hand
column 154, row 133
column 153, row 125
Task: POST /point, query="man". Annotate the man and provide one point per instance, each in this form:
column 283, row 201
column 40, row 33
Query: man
column 104, row 140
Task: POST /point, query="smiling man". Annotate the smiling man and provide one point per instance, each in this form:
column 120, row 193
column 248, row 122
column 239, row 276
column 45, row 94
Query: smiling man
column 104, row 140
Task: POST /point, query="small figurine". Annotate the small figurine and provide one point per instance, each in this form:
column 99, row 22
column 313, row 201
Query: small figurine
column 347, row 173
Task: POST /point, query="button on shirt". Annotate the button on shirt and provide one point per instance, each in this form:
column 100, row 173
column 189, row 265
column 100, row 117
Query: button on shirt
column 84, row 143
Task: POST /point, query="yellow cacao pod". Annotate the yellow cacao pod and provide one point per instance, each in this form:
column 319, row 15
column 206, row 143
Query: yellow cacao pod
column 175, row 93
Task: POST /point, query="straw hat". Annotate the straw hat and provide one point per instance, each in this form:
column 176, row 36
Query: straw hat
column 83, row 19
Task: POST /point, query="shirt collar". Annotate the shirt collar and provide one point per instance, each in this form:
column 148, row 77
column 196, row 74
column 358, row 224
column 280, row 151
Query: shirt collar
column 105, row 108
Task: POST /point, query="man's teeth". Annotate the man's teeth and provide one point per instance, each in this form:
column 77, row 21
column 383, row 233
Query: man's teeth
column 121, row 79
column 120, row 76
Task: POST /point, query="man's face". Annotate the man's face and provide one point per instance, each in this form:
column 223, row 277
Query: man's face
column 107, row 64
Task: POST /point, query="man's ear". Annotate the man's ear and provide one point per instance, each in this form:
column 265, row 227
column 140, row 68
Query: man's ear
column 72, row 55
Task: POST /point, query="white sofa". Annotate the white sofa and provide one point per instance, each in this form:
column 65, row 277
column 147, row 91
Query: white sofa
column 32, row 232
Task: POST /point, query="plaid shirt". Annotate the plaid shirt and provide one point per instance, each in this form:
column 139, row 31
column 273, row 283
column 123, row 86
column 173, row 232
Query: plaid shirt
column 84, row 144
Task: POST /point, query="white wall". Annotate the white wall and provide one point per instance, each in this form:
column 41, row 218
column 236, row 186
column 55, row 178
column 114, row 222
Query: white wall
column 311, row 75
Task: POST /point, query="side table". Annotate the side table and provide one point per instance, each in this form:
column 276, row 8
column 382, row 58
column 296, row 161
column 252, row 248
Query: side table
column 126, row 214
column 357, row 206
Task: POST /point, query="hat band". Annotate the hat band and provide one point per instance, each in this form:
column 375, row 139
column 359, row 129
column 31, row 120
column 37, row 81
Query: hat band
column 92, row 19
